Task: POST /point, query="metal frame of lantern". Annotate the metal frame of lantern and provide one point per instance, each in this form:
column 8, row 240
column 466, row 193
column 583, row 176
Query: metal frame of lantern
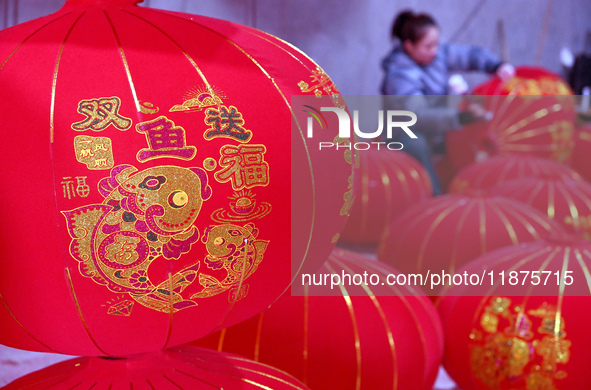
column 178, row 368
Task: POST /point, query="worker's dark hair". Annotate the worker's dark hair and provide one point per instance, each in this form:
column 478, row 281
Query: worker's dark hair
column 410, row 26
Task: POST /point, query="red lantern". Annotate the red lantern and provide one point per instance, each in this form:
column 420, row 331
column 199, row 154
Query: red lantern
column 580, row 161
column 446, row 232
column 386, row 184
column 177, row 368
column 536, row 340
column 155, row 148
column 388, row 340
column 531, row 114
column 528, row 80
column 567, row 202
column 486, row 174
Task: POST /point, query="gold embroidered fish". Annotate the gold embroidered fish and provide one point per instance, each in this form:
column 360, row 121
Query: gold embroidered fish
column 145, row 215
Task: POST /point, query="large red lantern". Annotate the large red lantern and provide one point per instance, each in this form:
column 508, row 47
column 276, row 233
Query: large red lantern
column 370, row 337
column 484, row 175
column 567, row 202
column 532, row 114
column 176, row 368
column 151, row 183
column 528, row 329
column 444, row 233
column 386, row 184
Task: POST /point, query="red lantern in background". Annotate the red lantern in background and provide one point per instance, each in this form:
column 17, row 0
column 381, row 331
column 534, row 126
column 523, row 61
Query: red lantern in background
column 501, row 340
column 154, row 148
column 528, row 80
column 486, row 174
column 567, row 202
column 582, row 151
column 386, row 184
column 446, row 232
column 387, row 340
column 532, row 114
column 176, row 368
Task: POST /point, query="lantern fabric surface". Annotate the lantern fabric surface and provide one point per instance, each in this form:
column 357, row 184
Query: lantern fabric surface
column 377, row 337
column 446, row 232
column 535, row 339
column 532, row 114
column 386, row 184
column 486, row 174
column 567, row 202
column 155, row 150
column 177, row 368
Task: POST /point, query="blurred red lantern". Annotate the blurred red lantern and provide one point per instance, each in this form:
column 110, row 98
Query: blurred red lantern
column 486, row 174
column 386, row 184
column 376, row 337
column 446, row 232
column 528, row 80
column 155, row 146
column 535, row 339
column 582, row 151
column 567, row 202
column 178, row 368
column 531, row 114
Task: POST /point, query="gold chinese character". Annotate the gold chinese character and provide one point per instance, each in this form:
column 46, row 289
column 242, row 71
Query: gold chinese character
column 86, row 153
column 227, row 123
column 82, row 189
column 99, row 147
column 244, row 166
column 100, row 113
column 164, row 140
column 100, row 163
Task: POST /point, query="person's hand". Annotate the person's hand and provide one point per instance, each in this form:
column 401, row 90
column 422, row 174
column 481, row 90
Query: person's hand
column 474, row 112
column 477, row 111
column 506, row 71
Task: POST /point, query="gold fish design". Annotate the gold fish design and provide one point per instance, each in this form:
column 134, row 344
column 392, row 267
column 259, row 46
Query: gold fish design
column 145, row 215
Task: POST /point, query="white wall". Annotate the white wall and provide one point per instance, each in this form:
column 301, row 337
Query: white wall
column 349, row 38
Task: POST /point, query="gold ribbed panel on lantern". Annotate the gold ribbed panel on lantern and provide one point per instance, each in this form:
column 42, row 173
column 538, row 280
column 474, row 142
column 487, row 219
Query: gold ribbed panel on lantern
column 444, row 233
column 567, row 202
column 486, row 174
column 387, row 183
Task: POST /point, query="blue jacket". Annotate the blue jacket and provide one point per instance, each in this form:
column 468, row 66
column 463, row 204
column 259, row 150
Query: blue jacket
column 406, row 77
column 403, row 76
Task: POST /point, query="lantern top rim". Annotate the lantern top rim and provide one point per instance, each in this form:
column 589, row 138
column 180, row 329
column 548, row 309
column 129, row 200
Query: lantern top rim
column 91, row 3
